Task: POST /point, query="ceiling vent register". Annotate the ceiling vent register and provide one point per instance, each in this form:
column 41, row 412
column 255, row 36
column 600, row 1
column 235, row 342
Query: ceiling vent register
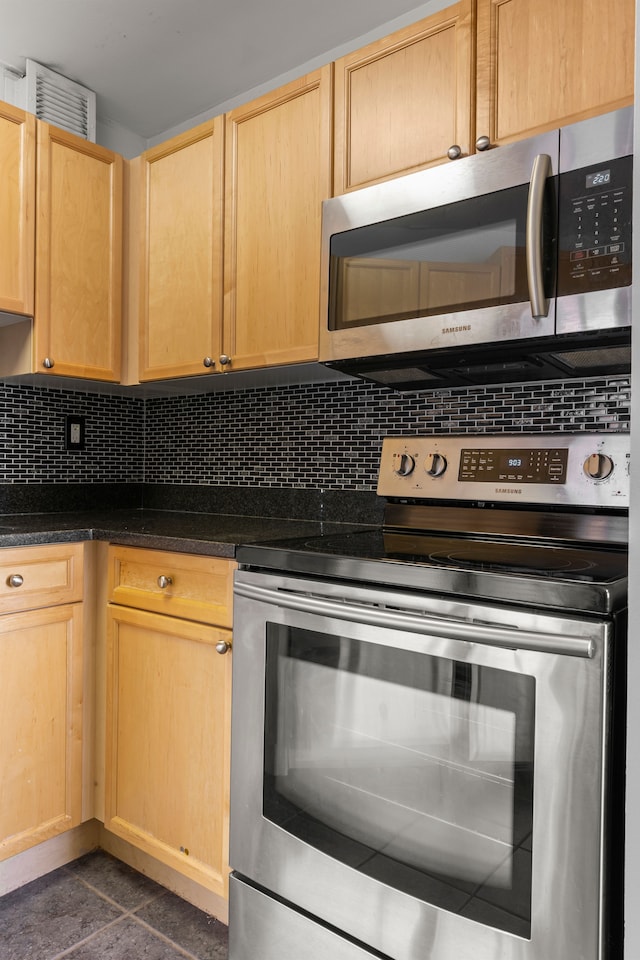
column 53, row 98
column 60, row 101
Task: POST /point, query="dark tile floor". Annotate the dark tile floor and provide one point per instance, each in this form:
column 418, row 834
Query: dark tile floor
column 98, row 907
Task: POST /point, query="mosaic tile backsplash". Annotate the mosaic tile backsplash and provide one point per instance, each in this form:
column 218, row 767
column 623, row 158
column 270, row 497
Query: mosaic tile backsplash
column 32, row 428
column 313, row 436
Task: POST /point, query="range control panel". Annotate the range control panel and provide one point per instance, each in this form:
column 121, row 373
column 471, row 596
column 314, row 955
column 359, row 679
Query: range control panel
column 566, row 469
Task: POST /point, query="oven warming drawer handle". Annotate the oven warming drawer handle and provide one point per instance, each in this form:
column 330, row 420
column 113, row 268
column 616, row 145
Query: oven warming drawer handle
column 373, row 616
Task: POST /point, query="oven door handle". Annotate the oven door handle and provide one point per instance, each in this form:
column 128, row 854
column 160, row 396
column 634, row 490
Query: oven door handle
column 486, row 634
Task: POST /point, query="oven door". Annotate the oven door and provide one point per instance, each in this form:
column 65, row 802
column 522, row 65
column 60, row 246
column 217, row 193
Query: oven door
column 422, row 777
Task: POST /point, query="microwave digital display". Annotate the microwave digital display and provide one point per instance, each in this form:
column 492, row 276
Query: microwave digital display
column 600, row 179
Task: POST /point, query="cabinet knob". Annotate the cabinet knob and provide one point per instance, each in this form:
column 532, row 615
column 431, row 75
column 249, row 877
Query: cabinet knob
column 483, row 143
column 454, row 152
column 208, row 362
column 223, row 646
column 15, row 580
column 48, row 363
column 164, row 582
column 225, row 360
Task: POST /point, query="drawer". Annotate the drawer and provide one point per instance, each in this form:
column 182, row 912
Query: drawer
column 178, row 584
column 42, row 576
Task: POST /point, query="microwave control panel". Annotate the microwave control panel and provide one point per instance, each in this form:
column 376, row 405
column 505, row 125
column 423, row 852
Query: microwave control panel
column 595, row 227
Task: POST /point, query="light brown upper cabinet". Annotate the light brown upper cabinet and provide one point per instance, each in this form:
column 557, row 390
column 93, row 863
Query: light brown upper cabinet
column 277, row 172
column 477, row 74
column 403, row 101
column 17, row 209
column 177, row 193
column 551, row 62
column 78, row 305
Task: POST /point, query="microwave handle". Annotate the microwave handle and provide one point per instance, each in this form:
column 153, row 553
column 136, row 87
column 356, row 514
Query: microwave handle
column 534, row 239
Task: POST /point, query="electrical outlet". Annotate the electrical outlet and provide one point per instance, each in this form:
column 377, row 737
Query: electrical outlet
column 74, row 433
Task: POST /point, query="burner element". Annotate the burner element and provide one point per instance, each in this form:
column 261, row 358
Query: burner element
column 545, row 561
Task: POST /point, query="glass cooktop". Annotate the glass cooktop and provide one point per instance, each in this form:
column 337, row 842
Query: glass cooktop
column 574, row 577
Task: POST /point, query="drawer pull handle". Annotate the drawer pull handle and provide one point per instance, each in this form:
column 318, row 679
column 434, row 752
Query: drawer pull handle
column 164, row 582
column 15, row 580
column 223, row 646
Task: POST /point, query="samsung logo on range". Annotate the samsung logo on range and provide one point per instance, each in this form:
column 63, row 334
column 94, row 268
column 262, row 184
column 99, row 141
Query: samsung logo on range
column 508, row 489
column 460, row 329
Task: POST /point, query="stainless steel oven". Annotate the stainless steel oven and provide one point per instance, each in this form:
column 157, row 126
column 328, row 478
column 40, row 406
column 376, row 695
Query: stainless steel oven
column 428, row 718
column 509, row 265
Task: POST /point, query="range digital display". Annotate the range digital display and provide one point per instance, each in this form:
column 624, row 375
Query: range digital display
column 513, row 466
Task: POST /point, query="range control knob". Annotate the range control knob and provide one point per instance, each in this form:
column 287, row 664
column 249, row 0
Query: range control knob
column 403, row 464
column 435, row 464
column 598, row 466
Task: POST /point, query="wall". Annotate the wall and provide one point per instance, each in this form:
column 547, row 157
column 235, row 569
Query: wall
column 327, row 56
column 316, row 435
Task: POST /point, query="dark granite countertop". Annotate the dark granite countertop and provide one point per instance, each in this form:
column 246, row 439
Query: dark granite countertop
column 209, row 534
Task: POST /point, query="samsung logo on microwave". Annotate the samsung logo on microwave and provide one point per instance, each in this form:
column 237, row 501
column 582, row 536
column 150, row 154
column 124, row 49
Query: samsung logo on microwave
column 508, row 489
column 460, row 329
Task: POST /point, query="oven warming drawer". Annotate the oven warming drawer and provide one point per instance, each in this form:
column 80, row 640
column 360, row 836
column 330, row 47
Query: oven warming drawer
column 282, row 932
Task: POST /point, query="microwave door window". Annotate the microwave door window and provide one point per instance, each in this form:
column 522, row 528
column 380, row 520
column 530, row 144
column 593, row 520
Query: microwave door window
column 412, row 769
column 457, row 257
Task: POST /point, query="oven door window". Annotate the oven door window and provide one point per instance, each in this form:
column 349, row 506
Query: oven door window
column 413, row 769
column 460, row 256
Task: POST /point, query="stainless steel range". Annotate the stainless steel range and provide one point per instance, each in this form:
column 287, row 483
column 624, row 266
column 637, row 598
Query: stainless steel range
column 428, row 718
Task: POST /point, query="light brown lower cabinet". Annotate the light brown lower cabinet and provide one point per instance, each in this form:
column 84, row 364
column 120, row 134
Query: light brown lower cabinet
column 41, row 707
column 168, row 711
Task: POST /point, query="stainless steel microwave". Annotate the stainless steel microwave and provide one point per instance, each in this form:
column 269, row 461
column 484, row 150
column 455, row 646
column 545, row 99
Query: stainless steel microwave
column 504, row 266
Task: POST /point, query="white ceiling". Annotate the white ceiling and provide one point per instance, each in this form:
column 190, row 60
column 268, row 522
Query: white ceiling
column 154, row 64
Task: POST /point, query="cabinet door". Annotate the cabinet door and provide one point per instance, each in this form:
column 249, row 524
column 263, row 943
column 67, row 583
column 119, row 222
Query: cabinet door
column 277, row 172
column 549, row 63
column 401, row 102
column 17, row 208
column 40, row 726
column 167, row 749
column 78, row 257
column 180, row 251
